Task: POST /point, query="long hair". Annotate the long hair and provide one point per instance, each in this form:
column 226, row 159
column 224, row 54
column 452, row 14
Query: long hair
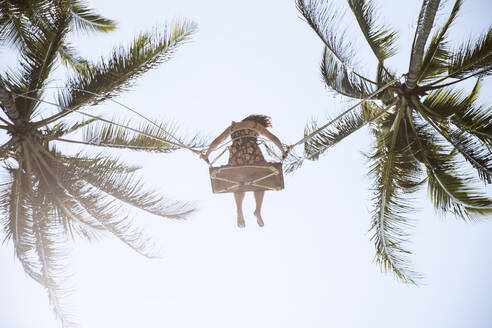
column 264, row 120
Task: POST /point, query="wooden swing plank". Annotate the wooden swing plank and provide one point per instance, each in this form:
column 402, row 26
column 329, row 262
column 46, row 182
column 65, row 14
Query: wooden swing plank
column 258, row 177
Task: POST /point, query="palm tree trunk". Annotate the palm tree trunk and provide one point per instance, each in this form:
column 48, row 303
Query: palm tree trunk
column 8, row 102
column 424, row 26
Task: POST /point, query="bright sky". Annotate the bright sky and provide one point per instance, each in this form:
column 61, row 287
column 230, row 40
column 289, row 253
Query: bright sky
column 312, row 263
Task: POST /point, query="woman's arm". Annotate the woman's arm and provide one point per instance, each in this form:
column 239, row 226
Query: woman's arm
column 216, row 142
column 272, row 137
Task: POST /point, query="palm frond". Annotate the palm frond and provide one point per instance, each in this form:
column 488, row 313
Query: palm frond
column 324, row 19
column 437, row 54
column 87, row 20
column 52, row 258
column 77, row 202
column 61, row 129
column 38, row 57
column 451, row 188
column 344, row 127
column 37, row 240
column 155, row 137
column 473, row 151
column 70, row 58
column 380, row 39
column 13, row 26
column 86, row 210
column 129, row 189
column 112, row 217
column 473, row 57
column 101, row 161
column 382, row 78
column 18, row 221
column 107, row 78
column 467, row 145
column 71, row 215
column 444, row 103
column 19, row 19
column 341, row 80
column 462, row 111
column 453, row 193
column 396, row 174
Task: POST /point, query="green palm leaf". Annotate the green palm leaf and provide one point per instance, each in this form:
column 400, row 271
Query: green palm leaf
column 155, row 137
column 338, row 78
column 473, row 57
column 462, row 111
column 63, row 128
column 395, row 174
column 108, row 78
column 380, row 39
column 342, row 128
column 19, row 19
column 87, row 20
column 451, row 188
column 127, row 188
column 38, row 57
column 70, row 58
column 473, row 151
column 324, row 19
column 382, row 78
column 470, row 147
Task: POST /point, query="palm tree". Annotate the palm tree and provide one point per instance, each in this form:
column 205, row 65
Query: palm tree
column 425, row 131
column 48, row 197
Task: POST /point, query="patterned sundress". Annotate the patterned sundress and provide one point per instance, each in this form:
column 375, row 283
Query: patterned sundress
column 244, row 149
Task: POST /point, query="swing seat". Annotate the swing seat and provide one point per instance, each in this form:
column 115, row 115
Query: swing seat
column 257, row 177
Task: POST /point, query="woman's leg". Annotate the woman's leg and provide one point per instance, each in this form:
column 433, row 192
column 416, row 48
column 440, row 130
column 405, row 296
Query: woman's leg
column 239, row 196
column 259, row 201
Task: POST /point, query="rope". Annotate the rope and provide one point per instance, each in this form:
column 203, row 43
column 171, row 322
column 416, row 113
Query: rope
column 270, row 151
column 178, row 144
column 112, row 100
column 312, row 134
column 216, row 158
column 198, row 152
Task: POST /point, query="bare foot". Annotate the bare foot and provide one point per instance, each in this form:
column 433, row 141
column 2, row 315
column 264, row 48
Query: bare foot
column 240, row 221
column 258, row 218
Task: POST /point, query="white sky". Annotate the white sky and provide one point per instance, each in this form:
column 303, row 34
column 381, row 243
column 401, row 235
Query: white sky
column 312, row 263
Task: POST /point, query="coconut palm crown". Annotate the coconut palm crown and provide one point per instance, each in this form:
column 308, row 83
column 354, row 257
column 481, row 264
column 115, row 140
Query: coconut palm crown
column 48, row 197
column 426, row 130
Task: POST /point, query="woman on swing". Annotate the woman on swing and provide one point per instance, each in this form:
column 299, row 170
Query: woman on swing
column 245, row 151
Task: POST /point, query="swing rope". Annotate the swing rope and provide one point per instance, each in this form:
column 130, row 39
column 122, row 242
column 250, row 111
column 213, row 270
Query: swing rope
column 178, row 143
column 112, row 100
column 315, row 132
